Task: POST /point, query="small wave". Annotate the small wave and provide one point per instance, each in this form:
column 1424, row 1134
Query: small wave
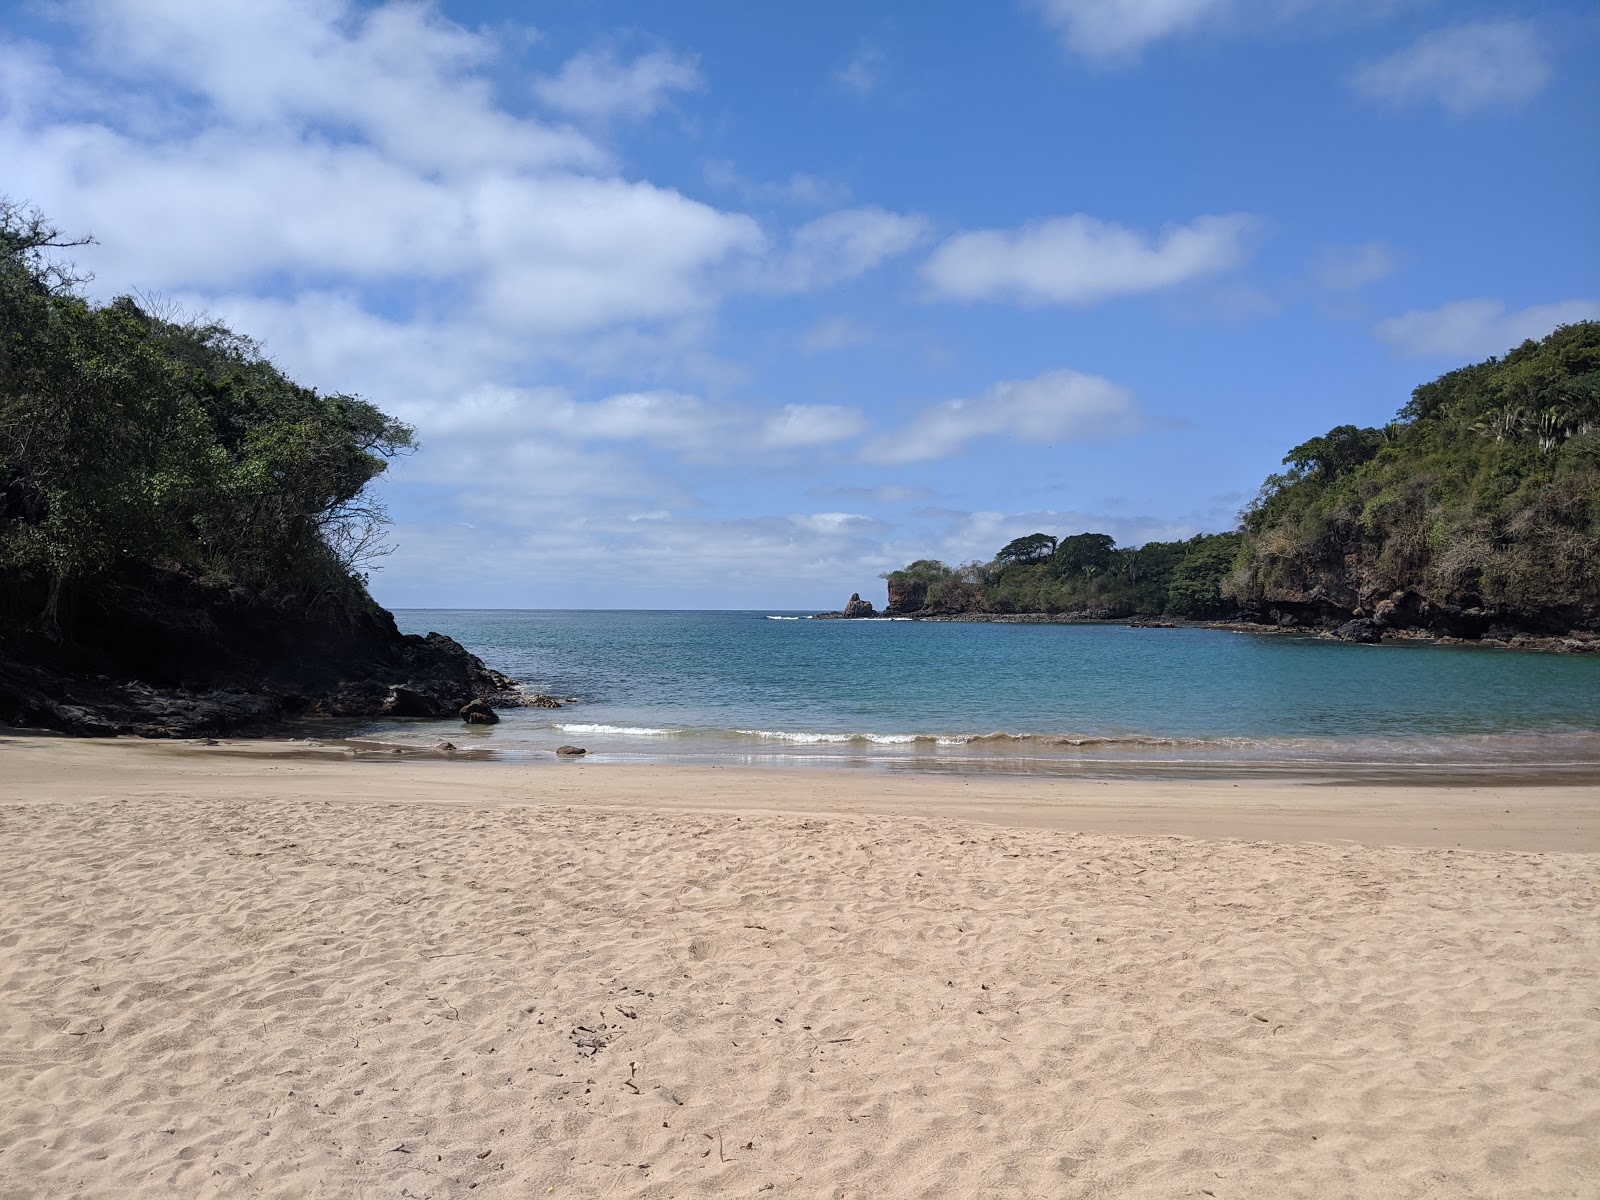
column 624, row 730
column 772, row 618
column 812, row 739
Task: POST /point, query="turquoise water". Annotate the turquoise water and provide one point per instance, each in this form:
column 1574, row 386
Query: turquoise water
column 751, row 687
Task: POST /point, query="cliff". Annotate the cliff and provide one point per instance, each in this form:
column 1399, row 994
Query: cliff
column 167, row 653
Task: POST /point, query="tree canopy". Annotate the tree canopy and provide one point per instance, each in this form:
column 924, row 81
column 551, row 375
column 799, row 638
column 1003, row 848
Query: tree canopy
column 1484, row 492
column 128, row 438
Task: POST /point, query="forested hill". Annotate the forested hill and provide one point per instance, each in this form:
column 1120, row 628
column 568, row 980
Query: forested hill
column 182, row 527
column 1478, row 508
column 1475, row 513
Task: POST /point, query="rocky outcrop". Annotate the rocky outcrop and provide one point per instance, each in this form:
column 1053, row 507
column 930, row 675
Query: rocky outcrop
column 854, row 609
column 163, row 653
column 906, row 596
column 857, row 607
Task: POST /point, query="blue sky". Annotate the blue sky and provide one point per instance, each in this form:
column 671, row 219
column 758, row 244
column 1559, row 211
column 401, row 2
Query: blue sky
column 722, row 305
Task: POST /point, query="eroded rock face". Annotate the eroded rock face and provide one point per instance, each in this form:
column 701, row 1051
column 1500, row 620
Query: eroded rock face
column 907, row 596
column 857, row 607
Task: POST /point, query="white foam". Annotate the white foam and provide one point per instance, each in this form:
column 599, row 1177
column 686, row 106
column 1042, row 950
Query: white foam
column 810, row 739
column 804, row 738
column 624, row 730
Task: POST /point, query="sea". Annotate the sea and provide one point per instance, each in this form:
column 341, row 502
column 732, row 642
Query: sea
column 778, row 688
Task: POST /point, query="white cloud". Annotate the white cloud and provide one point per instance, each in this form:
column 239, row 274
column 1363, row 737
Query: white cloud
column 1079, row 259
column 362, row 151
column 801, row 188
column 397, row 75
column 1350, row 268
column 1119, row 29
column 1477, row 328
column 835, row 333
column 1464, row 68
column 1054, row 407
column 594, row 85
column 860, row 74
column 829, row 523
column 845, row 244
column 797, row 425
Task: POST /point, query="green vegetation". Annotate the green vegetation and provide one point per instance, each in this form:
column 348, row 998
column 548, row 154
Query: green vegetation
column 1479, row 504
column 1483, row 494
column 128, row 440
column 1086, row 573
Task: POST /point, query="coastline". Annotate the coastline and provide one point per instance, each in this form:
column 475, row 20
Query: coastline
column 1574, row 642
column 255, row 967
column 1522, row 813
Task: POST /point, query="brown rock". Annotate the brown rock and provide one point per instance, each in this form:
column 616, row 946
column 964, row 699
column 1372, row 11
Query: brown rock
column 859, row 607
column 570, row 751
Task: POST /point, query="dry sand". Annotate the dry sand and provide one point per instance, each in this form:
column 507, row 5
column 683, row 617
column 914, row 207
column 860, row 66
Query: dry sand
column 253, row 975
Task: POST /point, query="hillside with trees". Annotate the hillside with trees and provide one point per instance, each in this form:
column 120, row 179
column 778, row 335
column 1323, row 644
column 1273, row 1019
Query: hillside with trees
column 1477, row 509
column 1474, row 514
column 1087, row 575
column 183, row 529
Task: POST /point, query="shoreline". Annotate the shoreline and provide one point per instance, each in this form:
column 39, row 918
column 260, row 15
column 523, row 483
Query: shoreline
column 1573, row 642
column 1524, row 814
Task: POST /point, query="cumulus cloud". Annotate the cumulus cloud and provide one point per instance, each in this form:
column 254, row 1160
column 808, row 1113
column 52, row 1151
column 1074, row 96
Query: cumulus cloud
column 1054, row 407
column 798, row 425
column 1477, row 328
column 1119, row 29
column 845, row 244
column 1350, row 268
column 1080, row 260
column 1465, row 68
column 596, row 86
column 316, row 143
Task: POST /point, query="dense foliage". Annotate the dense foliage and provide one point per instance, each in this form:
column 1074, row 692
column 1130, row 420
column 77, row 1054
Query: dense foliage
column 127, row 439
column 1479, row 504
column 1085, row 573
column 1484, row 493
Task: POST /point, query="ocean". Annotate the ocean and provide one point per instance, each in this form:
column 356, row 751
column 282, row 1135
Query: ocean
column 779, row 688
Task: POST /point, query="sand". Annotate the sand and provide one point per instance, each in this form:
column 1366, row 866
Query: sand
column 246, row 974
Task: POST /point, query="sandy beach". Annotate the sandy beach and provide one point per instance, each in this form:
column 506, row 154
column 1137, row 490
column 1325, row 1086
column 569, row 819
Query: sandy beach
column 234, row 971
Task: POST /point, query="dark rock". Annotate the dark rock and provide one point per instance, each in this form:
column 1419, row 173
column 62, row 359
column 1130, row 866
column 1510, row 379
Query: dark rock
column 169, row 653
column 570, row 751
column 1362, row 629
column 543, row 701
column 478, row 712
column 857, row 607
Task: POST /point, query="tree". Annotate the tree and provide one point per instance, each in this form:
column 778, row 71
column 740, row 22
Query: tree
column 1086, row 554
column 129, row 440
column 1336, row 453
column 1034, row 548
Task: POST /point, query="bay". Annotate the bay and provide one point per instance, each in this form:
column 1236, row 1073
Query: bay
column 780, row 688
